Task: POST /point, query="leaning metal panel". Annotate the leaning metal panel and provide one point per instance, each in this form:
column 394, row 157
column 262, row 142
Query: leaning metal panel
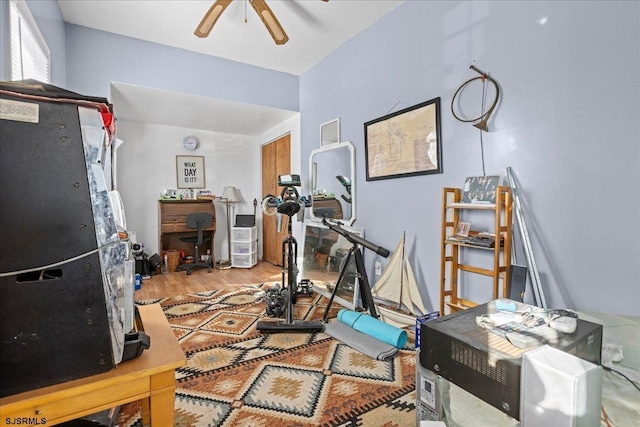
column 113, row 252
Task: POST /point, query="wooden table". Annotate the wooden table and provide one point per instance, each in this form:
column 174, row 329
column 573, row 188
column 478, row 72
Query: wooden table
column 149, row 378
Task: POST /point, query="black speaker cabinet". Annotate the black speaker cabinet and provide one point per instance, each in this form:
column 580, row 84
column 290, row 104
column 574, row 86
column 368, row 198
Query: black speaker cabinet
column 485, row 365
column 61, row 268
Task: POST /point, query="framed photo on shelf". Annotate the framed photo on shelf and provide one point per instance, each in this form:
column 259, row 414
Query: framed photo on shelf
column 190, row 171
column 463, row 229
column 404, row 143
column 481, row 189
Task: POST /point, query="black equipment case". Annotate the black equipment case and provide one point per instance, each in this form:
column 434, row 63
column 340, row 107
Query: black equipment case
column 62, row 265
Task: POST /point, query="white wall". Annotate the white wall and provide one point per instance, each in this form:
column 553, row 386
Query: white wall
column 147, row 165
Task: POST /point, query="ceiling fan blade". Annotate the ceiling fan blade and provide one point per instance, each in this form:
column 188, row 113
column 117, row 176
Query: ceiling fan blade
column 210, row 18
column 270, row 21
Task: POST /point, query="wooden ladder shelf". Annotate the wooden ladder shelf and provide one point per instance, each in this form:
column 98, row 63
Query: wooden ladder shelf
column 452, row 265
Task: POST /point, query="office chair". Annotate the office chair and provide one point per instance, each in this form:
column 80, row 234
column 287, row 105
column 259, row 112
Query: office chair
column 199, row 220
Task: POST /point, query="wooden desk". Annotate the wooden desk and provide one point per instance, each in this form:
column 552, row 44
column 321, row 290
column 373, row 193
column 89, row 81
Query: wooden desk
column 172, row 224
column 149, row 378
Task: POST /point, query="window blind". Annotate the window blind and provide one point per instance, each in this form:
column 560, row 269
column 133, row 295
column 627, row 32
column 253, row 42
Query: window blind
column 30, row 55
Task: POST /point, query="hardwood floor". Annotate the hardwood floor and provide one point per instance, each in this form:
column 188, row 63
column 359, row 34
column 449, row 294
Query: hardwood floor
column 178, row 283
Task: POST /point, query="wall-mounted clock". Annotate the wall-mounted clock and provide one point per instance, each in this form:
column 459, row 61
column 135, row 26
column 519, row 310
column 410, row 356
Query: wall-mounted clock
column 190, row 142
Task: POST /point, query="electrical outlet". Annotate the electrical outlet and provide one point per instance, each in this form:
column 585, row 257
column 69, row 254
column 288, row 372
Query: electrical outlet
column 378, row 268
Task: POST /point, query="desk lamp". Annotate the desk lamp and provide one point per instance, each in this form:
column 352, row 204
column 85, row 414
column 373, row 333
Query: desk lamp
column 229, row 195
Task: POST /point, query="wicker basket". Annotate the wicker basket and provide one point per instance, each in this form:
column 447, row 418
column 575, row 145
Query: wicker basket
column 173, row 260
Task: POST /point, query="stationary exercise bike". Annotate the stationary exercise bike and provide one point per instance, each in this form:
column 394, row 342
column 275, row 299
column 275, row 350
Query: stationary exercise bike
column 280, row 300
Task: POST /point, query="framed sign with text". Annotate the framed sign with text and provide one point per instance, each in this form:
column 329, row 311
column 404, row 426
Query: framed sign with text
column 190, row 171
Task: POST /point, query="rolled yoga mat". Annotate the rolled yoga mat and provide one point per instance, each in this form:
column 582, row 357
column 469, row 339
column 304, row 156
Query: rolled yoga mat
column 364, row 343
column 373, row 327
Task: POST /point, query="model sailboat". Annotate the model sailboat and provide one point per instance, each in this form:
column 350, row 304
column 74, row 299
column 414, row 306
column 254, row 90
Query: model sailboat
column 396, row 294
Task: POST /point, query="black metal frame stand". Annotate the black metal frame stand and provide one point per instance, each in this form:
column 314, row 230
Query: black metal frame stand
column 363, row 283
column 361, row 272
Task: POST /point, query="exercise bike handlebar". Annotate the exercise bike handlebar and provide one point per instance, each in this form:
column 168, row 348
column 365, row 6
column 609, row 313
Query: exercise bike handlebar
column 356, row 239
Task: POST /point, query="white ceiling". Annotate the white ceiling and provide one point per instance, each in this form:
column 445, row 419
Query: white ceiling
column 193, row 112
column 315, row 29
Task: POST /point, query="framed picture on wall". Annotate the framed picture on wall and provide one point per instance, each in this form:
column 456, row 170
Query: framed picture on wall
column 404, row 143
column 190, row 171
column 330, row 132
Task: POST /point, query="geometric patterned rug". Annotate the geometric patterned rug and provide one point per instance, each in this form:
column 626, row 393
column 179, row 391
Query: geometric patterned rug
column 238, row 376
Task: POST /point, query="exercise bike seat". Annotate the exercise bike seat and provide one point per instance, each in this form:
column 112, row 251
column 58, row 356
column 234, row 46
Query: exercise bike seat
column 288, row 207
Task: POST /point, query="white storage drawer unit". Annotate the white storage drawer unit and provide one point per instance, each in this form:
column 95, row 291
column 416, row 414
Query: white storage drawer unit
column 243, row 261
column 244, row 247
column 244, row 234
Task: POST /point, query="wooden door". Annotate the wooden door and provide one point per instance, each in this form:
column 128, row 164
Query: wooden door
column 276, row 160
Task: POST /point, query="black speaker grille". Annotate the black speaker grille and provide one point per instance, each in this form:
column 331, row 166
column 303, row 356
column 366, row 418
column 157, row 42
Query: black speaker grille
column 478, row 361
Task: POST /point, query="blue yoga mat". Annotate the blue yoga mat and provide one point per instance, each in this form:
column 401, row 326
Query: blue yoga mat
column 373, row 327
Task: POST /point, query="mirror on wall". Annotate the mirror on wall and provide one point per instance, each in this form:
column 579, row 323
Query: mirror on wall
column 332, row 169
column 324, row 256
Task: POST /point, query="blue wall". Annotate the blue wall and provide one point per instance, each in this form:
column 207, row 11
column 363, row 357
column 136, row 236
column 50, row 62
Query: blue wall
column 567, row 123
column 97, row 58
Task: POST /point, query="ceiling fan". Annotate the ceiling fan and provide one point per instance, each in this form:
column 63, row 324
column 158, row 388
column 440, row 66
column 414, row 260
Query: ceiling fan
column 262, row 9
